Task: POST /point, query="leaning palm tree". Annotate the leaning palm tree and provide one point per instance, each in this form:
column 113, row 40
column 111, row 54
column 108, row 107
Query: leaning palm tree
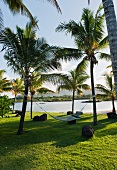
column 17, row 88
column 111, row 23
column 36, row 87
column 107, row 91
column 24, row 52
column 19, row 7
column 5, row 84
column 89, row 38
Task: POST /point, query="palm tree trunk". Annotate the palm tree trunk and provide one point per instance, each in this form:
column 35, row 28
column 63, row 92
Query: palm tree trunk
column 14, row 103
column 31, row 106
column 73, row 102
column 113, row 105
column 93, row 93
column 20, row 130
column 112, row 34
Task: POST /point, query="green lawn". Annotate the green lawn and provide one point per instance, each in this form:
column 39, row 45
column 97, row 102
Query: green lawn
column 55, row 145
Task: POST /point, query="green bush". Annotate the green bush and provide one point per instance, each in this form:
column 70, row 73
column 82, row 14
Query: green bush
column 5, row 103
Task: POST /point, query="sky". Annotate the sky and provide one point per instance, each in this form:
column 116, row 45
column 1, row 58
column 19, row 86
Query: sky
column 48, row 19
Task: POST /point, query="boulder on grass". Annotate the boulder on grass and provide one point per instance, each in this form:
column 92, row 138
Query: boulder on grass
column 40, row 118
column 112, row 115
column 87, row 131
column 36, row 118
column 69, row 113
column 43, row 117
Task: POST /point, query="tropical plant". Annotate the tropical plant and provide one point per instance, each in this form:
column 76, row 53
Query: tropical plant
column 89, row 38
column 5, row 84
column 111, row 23
column 25, row 52
column 36, row 87
column 5, row 104
column 17, row 88
column 19, row 7
column 107, row 91
column 75, row 81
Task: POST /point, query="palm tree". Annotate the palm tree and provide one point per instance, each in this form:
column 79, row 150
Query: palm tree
column 1, row 20
column 5, row 84
column 111, row 23
column 74, row 81
column 19, row 7
column 36, row 87
column 108, row 91
column 25, row 52
column 89, row 38
column 17, row 88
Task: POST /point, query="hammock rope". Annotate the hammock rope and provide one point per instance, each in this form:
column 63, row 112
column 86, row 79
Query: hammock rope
column 66, row 118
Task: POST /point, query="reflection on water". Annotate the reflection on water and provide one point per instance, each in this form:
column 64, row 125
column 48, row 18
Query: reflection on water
column 65, row 106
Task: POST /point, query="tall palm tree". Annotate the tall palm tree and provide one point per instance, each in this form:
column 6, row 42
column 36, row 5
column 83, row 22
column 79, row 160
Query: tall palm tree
column 1, row 20
column 19, row 7
column 89, row 38
column 75, row 81
column 25, row 52
column 36, row 87
column 17, row 88
column 111, row 23
column 5, row 84
column 108, row 91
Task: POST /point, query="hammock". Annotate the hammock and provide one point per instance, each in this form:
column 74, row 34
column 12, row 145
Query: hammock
column 66, row 118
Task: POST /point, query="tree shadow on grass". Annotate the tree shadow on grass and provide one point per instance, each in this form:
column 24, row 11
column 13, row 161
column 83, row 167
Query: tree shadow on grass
column 59, row 133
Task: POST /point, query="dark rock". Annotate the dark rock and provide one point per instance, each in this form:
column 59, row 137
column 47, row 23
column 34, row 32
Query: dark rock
column 18, row 112
column 72, row 122
column 87, row 131
column 69, row 113
column 40, row 118
column 36, row 118
column 112, row 115
column 43, row 117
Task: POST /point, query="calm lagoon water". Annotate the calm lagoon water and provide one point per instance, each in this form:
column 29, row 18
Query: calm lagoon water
column 65, row 106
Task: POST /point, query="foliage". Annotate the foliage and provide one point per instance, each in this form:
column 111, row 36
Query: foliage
column 107, row 91
column 5, row 104
column 5, row 84
column 54, row 145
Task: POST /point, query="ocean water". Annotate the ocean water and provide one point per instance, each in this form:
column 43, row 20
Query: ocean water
column 65, row 106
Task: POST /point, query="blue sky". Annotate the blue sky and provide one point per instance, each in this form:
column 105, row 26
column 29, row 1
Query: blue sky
column 49, row 19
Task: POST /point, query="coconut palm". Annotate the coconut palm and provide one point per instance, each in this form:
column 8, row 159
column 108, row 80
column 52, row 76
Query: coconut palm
column 89, row 38
column 75, row 81
column 17, row 88
column 24, row 52
column 5, row 84
column 1, row 20
column 19, row 7
column 36, row 87
column 107, row 91
column 111, row 23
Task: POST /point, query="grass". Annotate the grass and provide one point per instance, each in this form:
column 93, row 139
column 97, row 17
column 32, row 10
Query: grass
column 55, row 145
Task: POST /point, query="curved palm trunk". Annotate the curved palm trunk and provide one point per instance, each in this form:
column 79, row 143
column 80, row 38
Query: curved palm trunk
column 73, row 102
column 93, row 93
column 20, row 130
column 113, row 105
column 31, row 106
column 112, row 34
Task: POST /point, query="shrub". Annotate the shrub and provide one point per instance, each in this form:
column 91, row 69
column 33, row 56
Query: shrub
column 5, row 103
